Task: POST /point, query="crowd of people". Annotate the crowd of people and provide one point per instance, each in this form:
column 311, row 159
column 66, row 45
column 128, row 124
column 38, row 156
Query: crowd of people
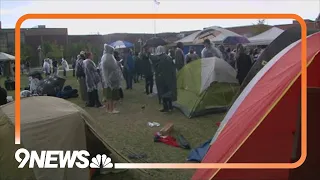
column 240, row 58
column 113, row 68
column 51, row 66
column 156, row 66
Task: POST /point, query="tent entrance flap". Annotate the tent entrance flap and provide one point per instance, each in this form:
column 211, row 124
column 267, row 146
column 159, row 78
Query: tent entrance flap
column 215, row 99
column 309, row 169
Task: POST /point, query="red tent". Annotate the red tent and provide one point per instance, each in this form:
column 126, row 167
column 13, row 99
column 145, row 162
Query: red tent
column 260, row 126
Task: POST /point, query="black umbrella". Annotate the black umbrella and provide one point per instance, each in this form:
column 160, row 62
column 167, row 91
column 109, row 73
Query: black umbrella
column 155, row 42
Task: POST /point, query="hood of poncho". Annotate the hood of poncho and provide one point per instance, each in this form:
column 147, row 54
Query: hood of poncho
column 160, row 50
column 107, row 49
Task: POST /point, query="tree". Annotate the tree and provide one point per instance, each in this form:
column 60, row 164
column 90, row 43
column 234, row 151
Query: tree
column 260, row 27
column 97, row 54
column 89, row 47
column 46, row 48
column 75, row 48
column 55, row 51
column 26, row 52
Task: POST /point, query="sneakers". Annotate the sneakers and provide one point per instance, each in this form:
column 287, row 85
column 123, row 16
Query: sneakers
column 114, row 112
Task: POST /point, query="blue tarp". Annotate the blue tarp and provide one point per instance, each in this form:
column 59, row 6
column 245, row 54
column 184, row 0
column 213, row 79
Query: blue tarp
column 198, row 153
column 197, row 48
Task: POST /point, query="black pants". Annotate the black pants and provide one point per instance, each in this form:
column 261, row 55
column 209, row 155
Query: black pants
column 73, row 72
column 149, row 83
column 167, row 103
column 120, row 93
column 240, row 80
column 93, row 99
column 137, row 76
column 64, row 73
column 129, row 78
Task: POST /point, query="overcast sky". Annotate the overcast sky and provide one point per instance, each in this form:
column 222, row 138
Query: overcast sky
column 11, row 10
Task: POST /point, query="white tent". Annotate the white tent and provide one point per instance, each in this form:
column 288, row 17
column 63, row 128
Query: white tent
column 215, row 34
column 6, row 57
column 266, row 37
column 190, row 38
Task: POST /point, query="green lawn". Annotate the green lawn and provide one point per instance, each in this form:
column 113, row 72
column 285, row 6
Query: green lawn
column 128, row 131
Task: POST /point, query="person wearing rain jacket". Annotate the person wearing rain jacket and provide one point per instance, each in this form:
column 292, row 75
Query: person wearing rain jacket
column 147, row 71
column 209, row 50
column 65, row 66
column 179, row 56
column 243, row 63
column 46, row 67
column 81, row 76
column 166, row 79
column 191, row 56
column 92, row 79
column 111, row 78
column 129, row 66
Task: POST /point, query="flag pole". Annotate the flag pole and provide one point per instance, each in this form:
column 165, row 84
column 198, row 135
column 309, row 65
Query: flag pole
column 155, row 24
column 156, row 4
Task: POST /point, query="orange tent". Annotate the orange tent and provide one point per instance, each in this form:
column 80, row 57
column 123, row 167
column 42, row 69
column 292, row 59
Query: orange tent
column 261, row 126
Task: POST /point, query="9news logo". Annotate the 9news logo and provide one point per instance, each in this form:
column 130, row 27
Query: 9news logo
column 61, row 159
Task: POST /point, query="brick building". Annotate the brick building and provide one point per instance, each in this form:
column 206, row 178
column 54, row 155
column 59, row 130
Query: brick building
column 7, row 37
column 34, row 37
column 37, row 36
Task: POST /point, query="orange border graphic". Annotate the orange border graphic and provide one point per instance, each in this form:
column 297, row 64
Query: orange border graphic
column 182, row 16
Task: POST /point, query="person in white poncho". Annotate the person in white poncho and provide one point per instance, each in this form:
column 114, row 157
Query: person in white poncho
column 111, row 78
column 65, row 66
column 92, row 80
column 50, row 66
column 46, row 67
column 210, row 50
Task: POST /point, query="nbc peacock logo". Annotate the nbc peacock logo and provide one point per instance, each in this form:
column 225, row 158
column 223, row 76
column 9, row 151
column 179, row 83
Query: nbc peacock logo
column 101, row 161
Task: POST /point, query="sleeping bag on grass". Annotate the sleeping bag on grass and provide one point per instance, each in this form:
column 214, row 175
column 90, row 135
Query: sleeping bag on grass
column 67, row 92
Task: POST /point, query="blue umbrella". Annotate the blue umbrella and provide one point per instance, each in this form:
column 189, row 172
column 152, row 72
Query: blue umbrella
column 234, row 40
column 121, row 44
